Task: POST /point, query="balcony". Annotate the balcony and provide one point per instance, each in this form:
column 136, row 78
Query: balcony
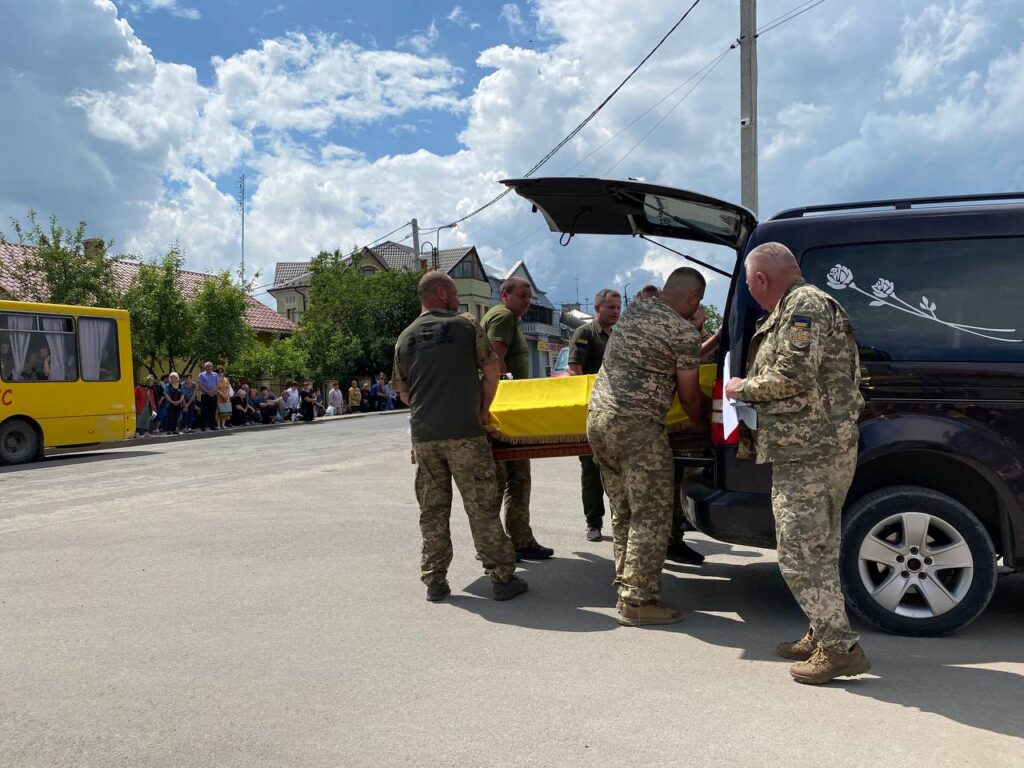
column 542, row 330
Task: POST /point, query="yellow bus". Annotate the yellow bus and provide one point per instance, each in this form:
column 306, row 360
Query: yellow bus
column 66, row 378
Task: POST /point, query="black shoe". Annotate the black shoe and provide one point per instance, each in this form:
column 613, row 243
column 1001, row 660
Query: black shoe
column 681, row 552
column 506, row 590
column 534, row 551
column 437, row 591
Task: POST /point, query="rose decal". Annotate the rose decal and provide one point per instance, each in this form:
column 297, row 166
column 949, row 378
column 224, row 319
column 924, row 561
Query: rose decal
column 839, row 277
column 883, row 288
column 883, row 294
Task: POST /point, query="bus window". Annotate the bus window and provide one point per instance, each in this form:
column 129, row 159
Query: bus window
column 97, row 340
column 37, row 348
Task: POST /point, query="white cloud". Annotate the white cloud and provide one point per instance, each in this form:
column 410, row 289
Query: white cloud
column 173, row 7
column 460, row 18
column 421, row 41
column 97, row 127
column 512, row 16
column 933, row 39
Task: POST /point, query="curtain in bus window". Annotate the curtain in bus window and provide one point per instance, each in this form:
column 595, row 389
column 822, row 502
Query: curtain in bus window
column 95, row 337
column 19, row 325
column 59, row 344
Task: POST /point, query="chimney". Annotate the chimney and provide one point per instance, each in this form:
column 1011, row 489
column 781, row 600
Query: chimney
column 94, row 247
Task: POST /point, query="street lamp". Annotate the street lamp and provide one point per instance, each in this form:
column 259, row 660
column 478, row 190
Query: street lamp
column 625, row 294
column 433, row 253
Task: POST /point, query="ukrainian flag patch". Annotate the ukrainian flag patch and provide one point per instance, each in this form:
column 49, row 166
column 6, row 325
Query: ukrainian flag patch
column 800, row 332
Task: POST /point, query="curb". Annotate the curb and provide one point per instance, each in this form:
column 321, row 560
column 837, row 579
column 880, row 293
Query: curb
column 165, row 438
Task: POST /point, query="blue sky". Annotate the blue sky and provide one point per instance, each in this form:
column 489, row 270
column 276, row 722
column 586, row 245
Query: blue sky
column 351, row 118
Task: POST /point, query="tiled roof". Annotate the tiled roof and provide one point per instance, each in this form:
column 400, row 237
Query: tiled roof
column 258, row 315
column 286, row 271
column 395, row 255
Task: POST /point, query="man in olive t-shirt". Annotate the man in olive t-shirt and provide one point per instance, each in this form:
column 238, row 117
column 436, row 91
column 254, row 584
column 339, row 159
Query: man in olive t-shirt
column 502, row 326
column 586, row 353
column 447, row 373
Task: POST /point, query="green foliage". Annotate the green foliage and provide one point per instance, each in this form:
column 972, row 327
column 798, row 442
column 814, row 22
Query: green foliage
column 280, row 359
column 218, row 312
column 163, row 328
column 713, row 318
column 64, row 267
column 353, row 320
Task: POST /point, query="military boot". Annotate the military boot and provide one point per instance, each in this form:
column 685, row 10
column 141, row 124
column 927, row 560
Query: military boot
column 506, row 590
column 437, row 591
column 825, row 665
column 650, row 613
column 798, row 650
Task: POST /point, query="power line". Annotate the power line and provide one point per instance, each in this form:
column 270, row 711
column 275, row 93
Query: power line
column 789, row 15
column 675, row 106
column 575, row 131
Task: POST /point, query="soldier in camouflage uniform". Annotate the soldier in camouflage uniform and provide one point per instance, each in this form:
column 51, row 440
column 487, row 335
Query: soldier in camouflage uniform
column 653, row 353
column 447, row 373
column 804, row 383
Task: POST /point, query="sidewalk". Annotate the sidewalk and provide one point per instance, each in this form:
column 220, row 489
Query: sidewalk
column 197, row 435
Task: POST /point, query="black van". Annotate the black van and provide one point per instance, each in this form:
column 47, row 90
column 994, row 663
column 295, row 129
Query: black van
column 932, row 289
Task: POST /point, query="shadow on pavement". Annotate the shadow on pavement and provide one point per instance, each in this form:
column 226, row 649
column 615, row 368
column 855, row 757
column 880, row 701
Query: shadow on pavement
column 749, row 607
column 74, row 458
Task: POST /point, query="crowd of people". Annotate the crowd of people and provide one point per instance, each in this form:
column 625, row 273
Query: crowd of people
column 177, row 404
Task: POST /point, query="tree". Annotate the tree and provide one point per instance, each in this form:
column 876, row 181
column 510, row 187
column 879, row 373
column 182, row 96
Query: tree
column 163, row 328
column 218, row 313
column 353, row 320
column 712, row 318
column 63, row 267
column 280, row 359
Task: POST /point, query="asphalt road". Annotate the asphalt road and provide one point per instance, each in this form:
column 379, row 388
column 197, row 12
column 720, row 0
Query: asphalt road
column 252, row 599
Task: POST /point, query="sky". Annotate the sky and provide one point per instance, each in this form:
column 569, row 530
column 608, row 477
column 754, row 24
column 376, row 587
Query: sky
column 348, row 119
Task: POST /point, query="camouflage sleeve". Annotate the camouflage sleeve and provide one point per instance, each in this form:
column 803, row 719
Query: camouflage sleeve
column 686, row 347
column 398, row 374
column 798, row 353
column 484, row 351
column 579, row 345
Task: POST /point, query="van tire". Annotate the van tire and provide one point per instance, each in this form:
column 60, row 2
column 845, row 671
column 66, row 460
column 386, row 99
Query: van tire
column 19, row 442
column 886, row 523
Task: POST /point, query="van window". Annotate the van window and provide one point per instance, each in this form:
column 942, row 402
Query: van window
column 97, row 339
column 37, row 347
column 946, row 300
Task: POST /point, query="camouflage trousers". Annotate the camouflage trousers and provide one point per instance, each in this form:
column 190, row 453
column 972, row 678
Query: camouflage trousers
column 514, row 491
column 469, row 462
column 807, row 499
column 636, row 466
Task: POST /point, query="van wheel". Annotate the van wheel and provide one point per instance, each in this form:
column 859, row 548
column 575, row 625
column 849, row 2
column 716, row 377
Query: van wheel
column 916, row 562
column 19, row 442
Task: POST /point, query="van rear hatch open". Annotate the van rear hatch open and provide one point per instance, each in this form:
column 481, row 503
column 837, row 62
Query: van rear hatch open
column 582, row 206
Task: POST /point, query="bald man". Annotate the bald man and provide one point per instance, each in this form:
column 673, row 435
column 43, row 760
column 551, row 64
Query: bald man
column 653, row 354
column 447, row 373
column 804, row 383
column 502, row 325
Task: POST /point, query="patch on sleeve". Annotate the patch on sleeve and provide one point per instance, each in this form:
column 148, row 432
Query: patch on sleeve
column 582, row 343
column 800, row 332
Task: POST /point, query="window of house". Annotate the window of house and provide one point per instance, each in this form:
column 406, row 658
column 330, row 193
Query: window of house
column 37, row 348
column 537, row 314
column 947, row 300
column 97, row 342
column 290, row 314
column 366, row 271
column 467, row 268
column 289, row 299
column 463, row 307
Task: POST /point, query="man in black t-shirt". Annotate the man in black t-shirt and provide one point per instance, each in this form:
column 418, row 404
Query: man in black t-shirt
column 439, row 360
column 307, row 401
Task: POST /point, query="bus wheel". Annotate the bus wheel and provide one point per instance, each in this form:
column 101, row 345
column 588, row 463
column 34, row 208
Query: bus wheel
column 19, row 442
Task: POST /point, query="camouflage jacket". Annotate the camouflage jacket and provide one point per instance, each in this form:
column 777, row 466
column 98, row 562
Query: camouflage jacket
column 804, row 381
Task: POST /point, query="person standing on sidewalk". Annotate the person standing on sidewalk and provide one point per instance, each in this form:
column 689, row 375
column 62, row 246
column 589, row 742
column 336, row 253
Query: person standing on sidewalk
column 501, row 323
column 653, row 354
column 174, row 397
column 447, row 373
column 586, row 352
column 188, row 405
column 208, row 381
column 335, row 400
column 804, row 384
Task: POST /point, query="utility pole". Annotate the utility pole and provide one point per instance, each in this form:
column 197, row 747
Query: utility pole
column 416, row 237
column 241, row 207
column 748, row 104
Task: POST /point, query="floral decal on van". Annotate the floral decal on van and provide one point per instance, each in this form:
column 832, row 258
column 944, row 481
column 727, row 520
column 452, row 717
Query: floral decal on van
column 883, row 294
